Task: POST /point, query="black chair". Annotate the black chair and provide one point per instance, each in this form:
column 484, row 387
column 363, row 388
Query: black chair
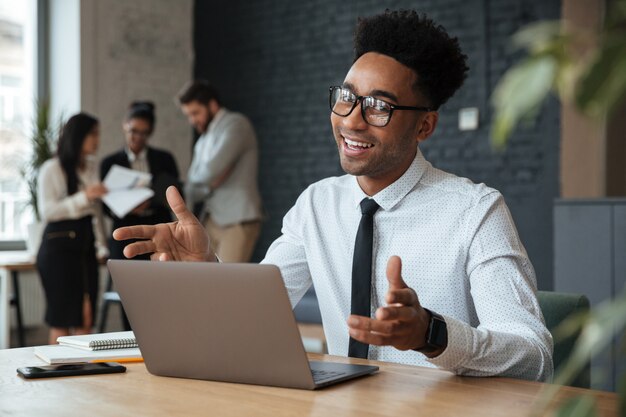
column 14, row 301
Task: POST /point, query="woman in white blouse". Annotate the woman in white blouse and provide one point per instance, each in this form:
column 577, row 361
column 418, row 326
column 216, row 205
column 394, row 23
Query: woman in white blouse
column 69, row 192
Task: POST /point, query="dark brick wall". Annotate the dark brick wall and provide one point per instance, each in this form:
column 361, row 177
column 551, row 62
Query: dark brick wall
column 274, row 60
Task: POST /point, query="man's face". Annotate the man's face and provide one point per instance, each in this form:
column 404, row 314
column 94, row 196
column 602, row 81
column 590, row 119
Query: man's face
column 198, row 115
column 384, row 153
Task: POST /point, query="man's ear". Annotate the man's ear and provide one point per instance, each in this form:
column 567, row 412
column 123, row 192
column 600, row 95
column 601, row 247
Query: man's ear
column 428, row 125
column 213, row 106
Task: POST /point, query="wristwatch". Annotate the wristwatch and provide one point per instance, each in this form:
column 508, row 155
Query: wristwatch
column 436, row 334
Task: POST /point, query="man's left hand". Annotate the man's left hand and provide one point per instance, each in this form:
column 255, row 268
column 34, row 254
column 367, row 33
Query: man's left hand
column 401, row 324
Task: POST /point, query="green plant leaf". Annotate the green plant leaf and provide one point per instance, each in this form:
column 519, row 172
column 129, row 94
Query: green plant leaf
column 599, row 328
column 597, row 86
column 42, row 140
column 582, row 406
column 538, row 36
column 520, row 93
column 607, row 320
column 604, row 84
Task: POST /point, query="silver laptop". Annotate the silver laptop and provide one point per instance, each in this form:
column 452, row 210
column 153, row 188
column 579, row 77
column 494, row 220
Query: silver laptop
column 220, row 322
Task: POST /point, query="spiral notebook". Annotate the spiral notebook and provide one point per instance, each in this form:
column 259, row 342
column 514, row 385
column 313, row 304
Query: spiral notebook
column 100, row 341
column 55, row 354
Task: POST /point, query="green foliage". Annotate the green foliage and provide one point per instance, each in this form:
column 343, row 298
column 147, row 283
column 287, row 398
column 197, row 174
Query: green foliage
column 598, row 329
column 42, row 139
column 525, row 86
column 596, row 84
column 583, row 406
column 603, row 86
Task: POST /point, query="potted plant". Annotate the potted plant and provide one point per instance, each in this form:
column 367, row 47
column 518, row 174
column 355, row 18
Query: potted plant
column 42, row 140
column 596, row 85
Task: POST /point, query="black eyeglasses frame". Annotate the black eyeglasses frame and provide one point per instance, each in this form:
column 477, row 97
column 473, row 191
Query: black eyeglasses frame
column 361, row 99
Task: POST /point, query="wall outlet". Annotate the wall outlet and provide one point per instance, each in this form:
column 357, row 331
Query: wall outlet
column 468, row 118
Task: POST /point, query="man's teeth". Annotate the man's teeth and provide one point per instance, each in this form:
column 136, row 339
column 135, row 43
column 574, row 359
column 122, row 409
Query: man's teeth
column 355, row 143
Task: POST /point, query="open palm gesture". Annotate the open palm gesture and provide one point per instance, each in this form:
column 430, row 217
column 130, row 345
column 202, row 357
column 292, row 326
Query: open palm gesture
column 181, row 240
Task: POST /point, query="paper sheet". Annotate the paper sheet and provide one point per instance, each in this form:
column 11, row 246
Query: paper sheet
column 127, row 189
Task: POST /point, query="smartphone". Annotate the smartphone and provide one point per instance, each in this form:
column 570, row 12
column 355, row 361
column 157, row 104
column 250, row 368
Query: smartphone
column 70, row 369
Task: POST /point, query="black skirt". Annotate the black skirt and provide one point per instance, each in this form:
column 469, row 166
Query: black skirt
column 68, row 268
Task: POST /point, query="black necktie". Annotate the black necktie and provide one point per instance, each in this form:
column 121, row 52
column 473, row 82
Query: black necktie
column 362, row 271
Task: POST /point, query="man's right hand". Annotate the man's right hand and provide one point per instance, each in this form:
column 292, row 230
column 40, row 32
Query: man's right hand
column 182, row 240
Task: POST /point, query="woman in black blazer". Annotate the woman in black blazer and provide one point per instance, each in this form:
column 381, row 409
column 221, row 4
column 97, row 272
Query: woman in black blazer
column 136, row 154
column 138, row 126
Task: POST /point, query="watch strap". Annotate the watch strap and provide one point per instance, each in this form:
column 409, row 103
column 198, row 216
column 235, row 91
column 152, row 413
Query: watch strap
column 436, row 333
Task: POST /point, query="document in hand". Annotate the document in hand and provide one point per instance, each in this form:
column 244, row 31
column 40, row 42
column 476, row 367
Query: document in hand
column 100, row 341
column 54, row 354
column 127, row 189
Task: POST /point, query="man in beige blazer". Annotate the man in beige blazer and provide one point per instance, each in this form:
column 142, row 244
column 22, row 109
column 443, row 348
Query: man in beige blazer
column 222, row 179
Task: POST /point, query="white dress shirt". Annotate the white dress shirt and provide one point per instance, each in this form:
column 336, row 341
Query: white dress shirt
column 228, row 145
column 56, row 205
column 138, row 162
column 460, row 253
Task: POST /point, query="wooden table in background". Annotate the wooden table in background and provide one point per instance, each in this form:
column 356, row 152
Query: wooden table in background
column 396, row 391
column 11, row 264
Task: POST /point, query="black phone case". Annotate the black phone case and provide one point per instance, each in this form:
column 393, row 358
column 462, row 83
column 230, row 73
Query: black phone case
column 51, row 371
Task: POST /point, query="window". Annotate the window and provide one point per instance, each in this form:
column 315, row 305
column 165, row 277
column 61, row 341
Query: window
column 17, row 97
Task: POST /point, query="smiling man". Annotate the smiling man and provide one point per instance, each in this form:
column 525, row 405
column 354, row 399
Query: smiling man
column 410, row 264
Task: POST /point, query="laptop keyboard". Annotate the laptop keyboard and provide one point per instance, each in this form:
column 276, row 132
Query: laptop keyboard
column 320, row 375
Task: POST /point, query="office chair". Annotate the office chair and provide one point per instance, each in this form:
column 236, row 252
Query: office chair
column 111, row 297
column 556, row 307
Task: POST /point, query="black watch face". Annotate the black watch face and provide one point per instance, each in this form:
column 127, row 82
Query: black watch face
column 438, row 335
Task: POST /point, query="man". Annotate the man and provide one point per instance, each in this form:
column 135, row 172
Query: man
column 458, row 253
column 222, row 178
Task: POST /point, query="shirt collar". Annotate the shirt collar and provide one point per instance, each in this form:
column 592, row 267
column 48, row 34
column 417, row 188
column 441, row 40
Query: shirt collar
column 220, row 113
column 388, row 197
column 139, row 157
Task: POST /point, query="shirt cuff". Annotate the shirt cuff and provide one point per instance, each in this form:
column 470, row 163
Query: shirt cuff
column 80, row 199
column 102, row 252
column 459, row 345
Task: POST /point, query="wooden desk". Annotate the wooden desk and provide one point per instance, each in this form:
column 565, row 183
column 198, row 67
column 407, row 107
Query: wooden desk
column 11, row 264
column 396, row 390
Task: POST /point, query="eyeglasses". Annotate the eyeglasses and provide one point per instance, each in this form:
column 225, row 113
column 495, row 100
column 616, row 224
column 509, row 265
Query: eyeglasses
column 139, row 133
column 375, row 112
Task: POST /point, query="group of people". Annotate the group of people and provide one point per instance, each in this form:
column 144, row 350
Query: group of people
column 410, row 264
column 221, row 183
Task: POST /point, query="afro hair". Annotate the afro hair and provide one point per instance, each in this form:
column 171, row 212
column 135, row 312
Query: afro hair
column 417, row 42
